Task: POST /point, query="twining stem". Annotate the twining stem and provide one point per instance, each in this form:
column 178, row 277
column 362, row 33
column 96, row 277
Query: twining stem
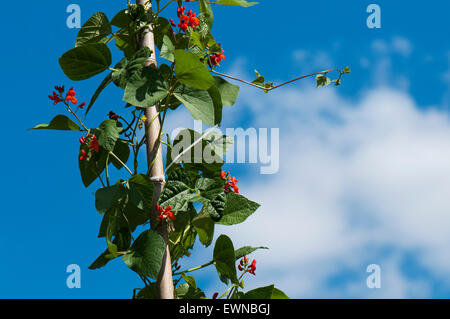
column 120, row 161
column 195, row 268
column 277, row 86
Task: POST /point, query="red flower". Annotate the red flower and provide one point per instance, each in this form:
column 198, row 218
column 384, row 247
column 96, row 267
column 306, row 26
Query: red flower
column 82, row 140
column 94, row 144
column 70, row 96
column 216, row 58
column 172, row 23
column 231, row 182
column 113, row 116
column 82, row 105
column 55, row 98
column 165, row 213
column 252, row 267
column 83, row 155
column 215, row 295
column 60, row 89
column 186, row 20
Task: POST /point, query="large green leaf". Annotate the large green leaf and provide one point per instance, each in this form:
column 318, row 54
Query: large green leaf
column 224, row 258
column 190, row 71
column 90, row 169
column 122, row 241
column 94, row 30
column 106, row 81
column 146, row 87
column 59, row 122
column 108, row 134
column 229, row 92
column 237, row 209
column 167, row 49
column 177, row 192
column 198, row 102
column 107, row 197
column 242, row 3
column 204, row 226
column 85, row 61
column 140, row 190
column 146, row 254
column 216, row 97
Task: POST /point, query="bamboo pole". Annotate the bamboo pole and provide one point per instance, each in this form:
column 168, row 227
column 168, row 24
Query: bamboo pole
column 154, row 158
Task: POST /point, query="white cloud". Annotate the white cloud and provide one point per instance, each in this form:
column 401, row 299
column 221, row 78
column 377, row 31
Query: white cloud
column 358, row 178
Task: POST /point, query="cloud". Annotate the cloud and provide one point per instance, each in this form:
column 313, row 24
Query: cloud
column 362, row 181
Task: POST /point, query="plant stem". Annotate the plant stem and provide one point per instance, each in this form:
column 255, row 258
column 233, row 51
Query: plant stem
column 195, row 268
column 121, row 163
column 164, row 281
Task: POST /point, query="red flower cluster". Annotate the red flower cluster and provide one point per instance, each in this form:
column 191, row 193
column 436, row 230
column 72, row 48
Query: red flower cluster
column 93, row 145
column 245, row 265
column 231, row 182
column 165, row 213
column 186, row 20
column 70, row 96
column 215, row 58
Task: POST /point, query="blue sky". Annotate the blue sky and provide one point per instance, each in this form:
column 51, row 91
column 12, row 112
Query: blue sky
column 364, row 169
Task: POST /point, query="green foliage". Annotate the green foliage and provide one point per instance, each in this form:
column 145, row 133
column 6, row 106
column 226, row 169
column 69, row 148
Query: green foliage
column 59, row 122
column 85, row 61
column 195, row 191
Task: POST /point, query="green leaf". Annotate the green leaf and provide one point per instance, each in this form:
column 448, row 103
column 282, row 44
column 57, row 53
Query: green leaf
column 59, row 122
column 204, row 226
column 198, row 102
column 122, row 151
column 237, row 209
column 148, row 292
column 215, row 208
column 278, row 294
column 146, row 254
column 260, row 293
column 124, row 70
column 107, row 197
column 122, row 241
column 126, row 42
column 224, row 258
column 206, row 13
column 91, row 168
column 85, row 61
column 121, row 19
column 245, row 251
column 140, row 190
column 177, row 191
column 190, row 71
column 185, row 291
column 242, row 3
column 229, row 92
column 108, row 134
column 167, row 49
column 145, row 88
column 214, row 93
column 94, row 30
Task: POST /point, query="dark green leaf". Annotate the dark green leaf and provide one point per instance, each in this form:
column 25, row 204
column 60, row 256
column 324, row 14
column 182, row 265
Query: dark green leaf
column 59, row 122
column 95, row 30
column 148, row 292
column 260, row 293
column 246, row 250
column 106, row 81
column 140, row 190
column 107, row 197
column 224, row 258
column 146, row 88
column 237, row 209
column 108, row 134
column 204, row 226
column 85, row 61
column 146, row 254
